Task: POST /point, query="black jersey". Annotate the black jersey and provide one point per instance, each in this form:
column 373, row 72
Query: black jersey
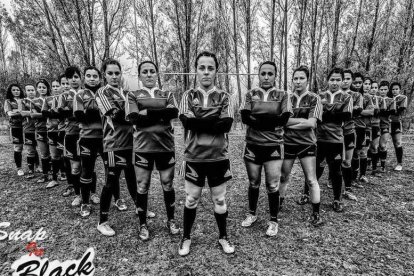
column 91, row 126
column 13, row 105
column 65, row 106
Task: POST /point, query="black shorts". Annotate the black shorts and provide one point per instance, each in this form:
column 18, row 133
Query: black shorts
column 217, row 172
column 30, row 139
column 396, row 127
column 362, row 138
column 261, row 154
column 329, row 151
column 118, row 159
column 90, row 147
column 161, row 160
column 41, row 136
column 61, row 140
column 299, row 151
column 52, row 137
column 349, row 141
column 376, row 132
column 385, row 130
column 17, row 135
column 71, row 147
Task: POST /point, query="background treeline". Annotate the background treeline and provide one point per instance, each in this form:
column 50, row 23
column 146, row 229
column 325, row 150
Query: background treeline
column 41, row 37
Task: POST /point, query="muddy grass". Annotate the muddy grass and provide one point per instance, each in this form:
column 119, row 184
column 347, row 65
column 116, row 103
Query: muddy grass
column 374, row 236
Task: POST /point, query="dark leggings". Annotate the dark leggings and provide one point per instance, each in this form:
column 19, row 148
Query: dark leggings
column 88, row 175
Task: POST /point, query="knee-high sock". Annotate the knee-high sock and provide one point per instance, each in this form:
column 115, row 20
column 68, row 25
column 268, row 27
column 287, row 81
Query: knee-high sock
column 221, row 220
column 36, row 158
column 169, row 200
column 45, row 165
column 18, row 159
column 188, row 221
column 363, row 166
column 142, row 205
column 55, row 168
column 335, row 167
column 68, row 171
column 76, row 183
column 93, row 186
column 347, row 176
column 253, row 195
column 374, row 158
column 131, row 182
column 31, row 163
column 383, row 157
column 273, row 205
column 355, row 167
column 105, row 203
column 399, row 154
column 306, row 188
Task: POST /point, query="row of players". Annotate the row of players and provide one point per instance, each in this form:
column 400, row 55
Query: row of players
column 132, row 132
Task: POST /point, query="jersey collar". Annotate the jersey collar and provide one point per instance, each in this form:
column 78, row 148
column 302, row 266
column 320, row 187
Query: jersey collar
column 206, row 93
column 300, row 97
column 266, row 93
column 119, row 90
column 151, row 91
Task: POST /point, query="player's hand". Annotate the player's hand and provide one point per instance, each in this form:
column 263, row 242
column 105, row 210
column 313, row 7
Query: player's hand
column 256, row 98
column 189, row 114
column 143, row 112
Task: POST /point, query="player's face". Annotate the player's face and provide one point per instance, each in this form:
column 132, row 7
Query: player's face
column 395, row 90
column 267, row 76
column 346, row 84
column 383, row 91
column 374, row 88
column 335, row 82
column 30, row 91
column 55, row 87
column 148, row 75
column 113, row 75
column 357, row 83
column 206, row 72
column 42, row 89
column 15, row 91
column 366, row 86
column 92, row 78
column 64, row 83
column 75, row 81
column 300, row 81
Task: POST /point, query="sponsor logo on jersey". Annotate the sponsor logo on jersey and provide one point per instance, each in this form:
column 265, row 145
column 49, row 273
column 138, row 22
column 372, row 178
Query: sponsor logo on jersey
column 275, row 154
column 351, row 144
column 172, row 160
column 228, row 174
column 16, row 140
column 249, row 154
column 338, row 156
column 192, row 174
column 141, row 95
column 139, row 160
column 27, row 141
column 68, row 154
column 121, row 160
column 196, row 101
column 85, row 151
column 60, row 145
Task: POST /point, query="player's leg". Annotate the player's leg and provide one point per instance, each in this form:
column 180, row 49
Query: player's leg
column 383, row 148
column 346, row 166
column 285, row 179
column 44, row 157
column 397, row 141
column 272, row 178
column 254, row 175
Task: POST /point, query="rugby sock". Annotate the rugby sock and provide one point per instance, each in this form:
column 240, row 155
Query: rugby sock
column 306, row 188
column 31, row 163
column 36, row 159
column 105, row 203
column 369, row 157
column 55, row 168
column 273, row 205
column 62, row 166
column 319, row 172
column 93, row 184
column 68, row 172
column 363, row 166
column 142, row 205
column 355, row 168
column 131, row 182
column 76, row 184
column 383, row 157
column 281, row 200
column 315, row 207
column 374, row 158
column 399, row 154
column 45, row 165
column 253, row 195
column 85, row 187
column 169, row 200
column 188, row 221
column 347, row 176
column 221, row 220
column 335, row 167
column 18, row 159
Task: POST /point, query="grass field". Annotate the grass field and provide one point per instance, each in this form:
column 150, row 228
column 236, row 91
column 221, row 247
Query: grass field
column 374, row 236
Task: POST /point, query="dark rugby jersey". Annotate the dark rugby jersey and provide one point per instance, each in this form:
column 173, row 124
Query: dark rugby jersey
column 272, row 101
column 364, row 121
column 158, row 135
column 335, row 103
column 28, row 122
column 389, row 107
column 52, row 123
column 13, row 105
column 117, row 134
column 376, row 101
column 85, row 102
column 357, row 103
column 65, row 103
column 36, row 106
column 401, row 105
column 306, row 106
column 202, row 146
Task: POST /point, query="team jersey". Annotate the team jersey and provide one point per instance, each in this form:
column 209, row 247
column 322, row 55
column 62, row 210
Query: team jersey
column 357, row 103
column 28, row 122
column 378, row 106
column 364, row 121
column 48, row 104
column 13, row 105
column 117, row 134
column 40, row 122
column 201, row 146
column 388, row 106
column 65, row 102
column 306, row 106
column 92, row 127
column 338, row 102
column 157, row 137
column 273, row 102
column 400, row 104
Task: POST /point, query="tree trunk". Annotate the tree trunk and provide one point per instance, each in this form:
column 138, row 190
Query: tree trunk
column 286, row 37
column 272, row 31
column 335, row 33
column 354, row 38
column 236, row 52
column 282, row 37
column 313, row 41
column 154, row 42
column 371, row 41
column 403, row 46
column 302, row 9
column 248, row 42
column 106, row 30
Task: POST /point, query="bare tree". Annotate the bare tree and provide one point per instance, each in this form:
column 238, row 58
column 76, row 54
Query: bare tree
column 335, row 32
column 371, row 40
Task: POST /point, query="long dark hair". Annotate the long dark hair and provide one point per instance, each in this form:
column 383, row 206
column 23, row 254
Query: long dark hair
column 395, row 83
column 9, row 94
column 361, row 90
column 46, row 84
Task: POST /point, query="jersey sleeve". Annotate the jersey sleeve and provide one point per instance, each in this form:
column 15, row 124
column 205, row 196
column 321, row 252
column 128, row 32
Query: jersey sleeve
column 186, row 104
column 171, row 102
column 403, row 103
column 62, row 103
column 315, row 110
column 348, row 104
column 7, row 106
column 131, row 105
column 370, row 104
column 227, row 110
column 78, row 103
column 105, row 101
column 247, row 102
column 359, row 102
column 45, row 105
column 286, row 104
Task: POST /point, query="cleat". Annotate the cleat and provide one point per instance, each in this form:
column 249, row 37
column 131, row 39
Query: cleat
column 173, row 227
column 329, row 184
column 363, row 179
column 184, row 248
column 120, row 204
column 38, row 170
column 226, row 245
column 272, row 229
column 85, row 210
column 150, row 214
column 349, row 195
column 52, row 184
column 398, row 168
column 143, row 233
column 77, row 201
column 381, row 170
column 68, row 191
column 304, row 199
column 30, row 175
column 105, row 229
column 62, row 177
column 249, row 220
column 356, row 184
column 95, row 198
column 43, row 179
column 338, row 206
column 20, row 172
column 316, row 220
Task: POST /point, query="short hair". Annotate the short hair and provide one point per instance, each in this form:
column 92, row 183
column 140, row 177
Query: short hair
column 61, row 77
column 71, row 71
column 46, row 84
column 336, row 70
column 207, row 54
column 269, row 63
column 374, row 81
column 110, row 61
column 302, row 68
column 9, row 94
column 384, row 83
column 147, row 61
column 358, row 75
column 349, row 71
column 92, row 68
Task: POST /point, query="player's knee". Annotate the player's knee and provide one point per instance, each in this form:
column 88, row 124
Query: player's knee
column 346, row 163
column 255, row 183
column 191, row 201
column 312, row 183
column 284, row 178
column 219, row 201
column 272, row 187
column 167, row 186
column 18, row 148
column 75, row 170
